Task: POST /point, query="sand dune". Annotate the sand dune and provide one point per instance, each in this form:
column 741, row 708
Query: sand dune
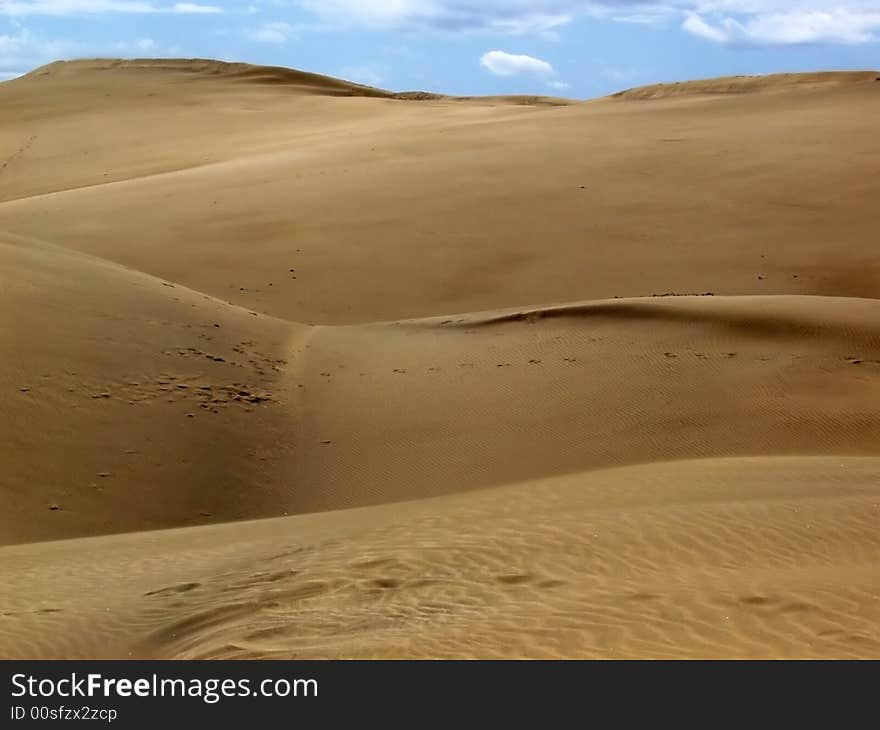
column 514, row 377
column 426, row 408
column 750, row 84
column 464, row 207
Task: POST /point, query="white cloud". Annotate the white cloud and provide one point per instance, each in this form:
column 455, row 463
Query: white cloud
column 277, row 33
column 195, row 9
column 502, row 63
column 743, row 22
column 695, row 25
column 559, row 85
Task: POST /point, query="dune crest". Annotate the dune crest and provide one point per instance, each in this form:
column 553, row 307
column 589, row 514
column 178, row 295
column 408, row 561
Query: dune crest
column 301, row 80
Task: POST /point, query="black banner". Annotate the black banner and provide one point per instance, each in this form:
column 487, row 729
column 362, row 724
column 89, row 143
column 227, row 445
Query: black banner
column 285, row 694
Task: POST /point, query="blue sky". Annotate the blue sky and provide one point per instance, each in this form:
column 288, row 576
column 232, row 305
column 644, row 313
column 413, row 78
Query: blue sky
column 577, row 48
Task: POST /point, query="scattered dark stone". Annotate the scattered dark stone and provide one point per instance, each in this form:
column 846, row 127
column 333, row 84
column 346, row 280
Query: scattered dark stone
column 55, row 507
column 105, row 474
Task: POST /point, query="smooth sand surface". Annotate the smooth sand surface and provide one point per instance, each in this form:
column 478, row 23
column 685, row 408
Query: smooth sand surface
column 509, row 377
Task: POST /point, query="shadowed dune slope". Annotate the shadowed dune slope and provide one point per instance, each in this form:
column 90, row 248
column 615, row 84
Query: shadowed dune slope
column 511, row 377
column 131, row 403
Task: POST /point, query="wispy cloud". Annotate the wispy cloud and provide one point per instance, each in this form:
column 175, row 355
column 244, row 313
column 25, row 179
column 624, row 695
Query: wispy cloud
column 791, row 28
column 744, row 22
column 23, row 8
column 731, row 22
column 24, row 50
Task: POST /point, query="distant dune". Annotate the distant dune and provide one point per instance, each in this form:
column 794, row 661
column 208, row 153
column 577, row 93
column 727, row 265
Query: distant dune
column 751, row 84
column 510, row 377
